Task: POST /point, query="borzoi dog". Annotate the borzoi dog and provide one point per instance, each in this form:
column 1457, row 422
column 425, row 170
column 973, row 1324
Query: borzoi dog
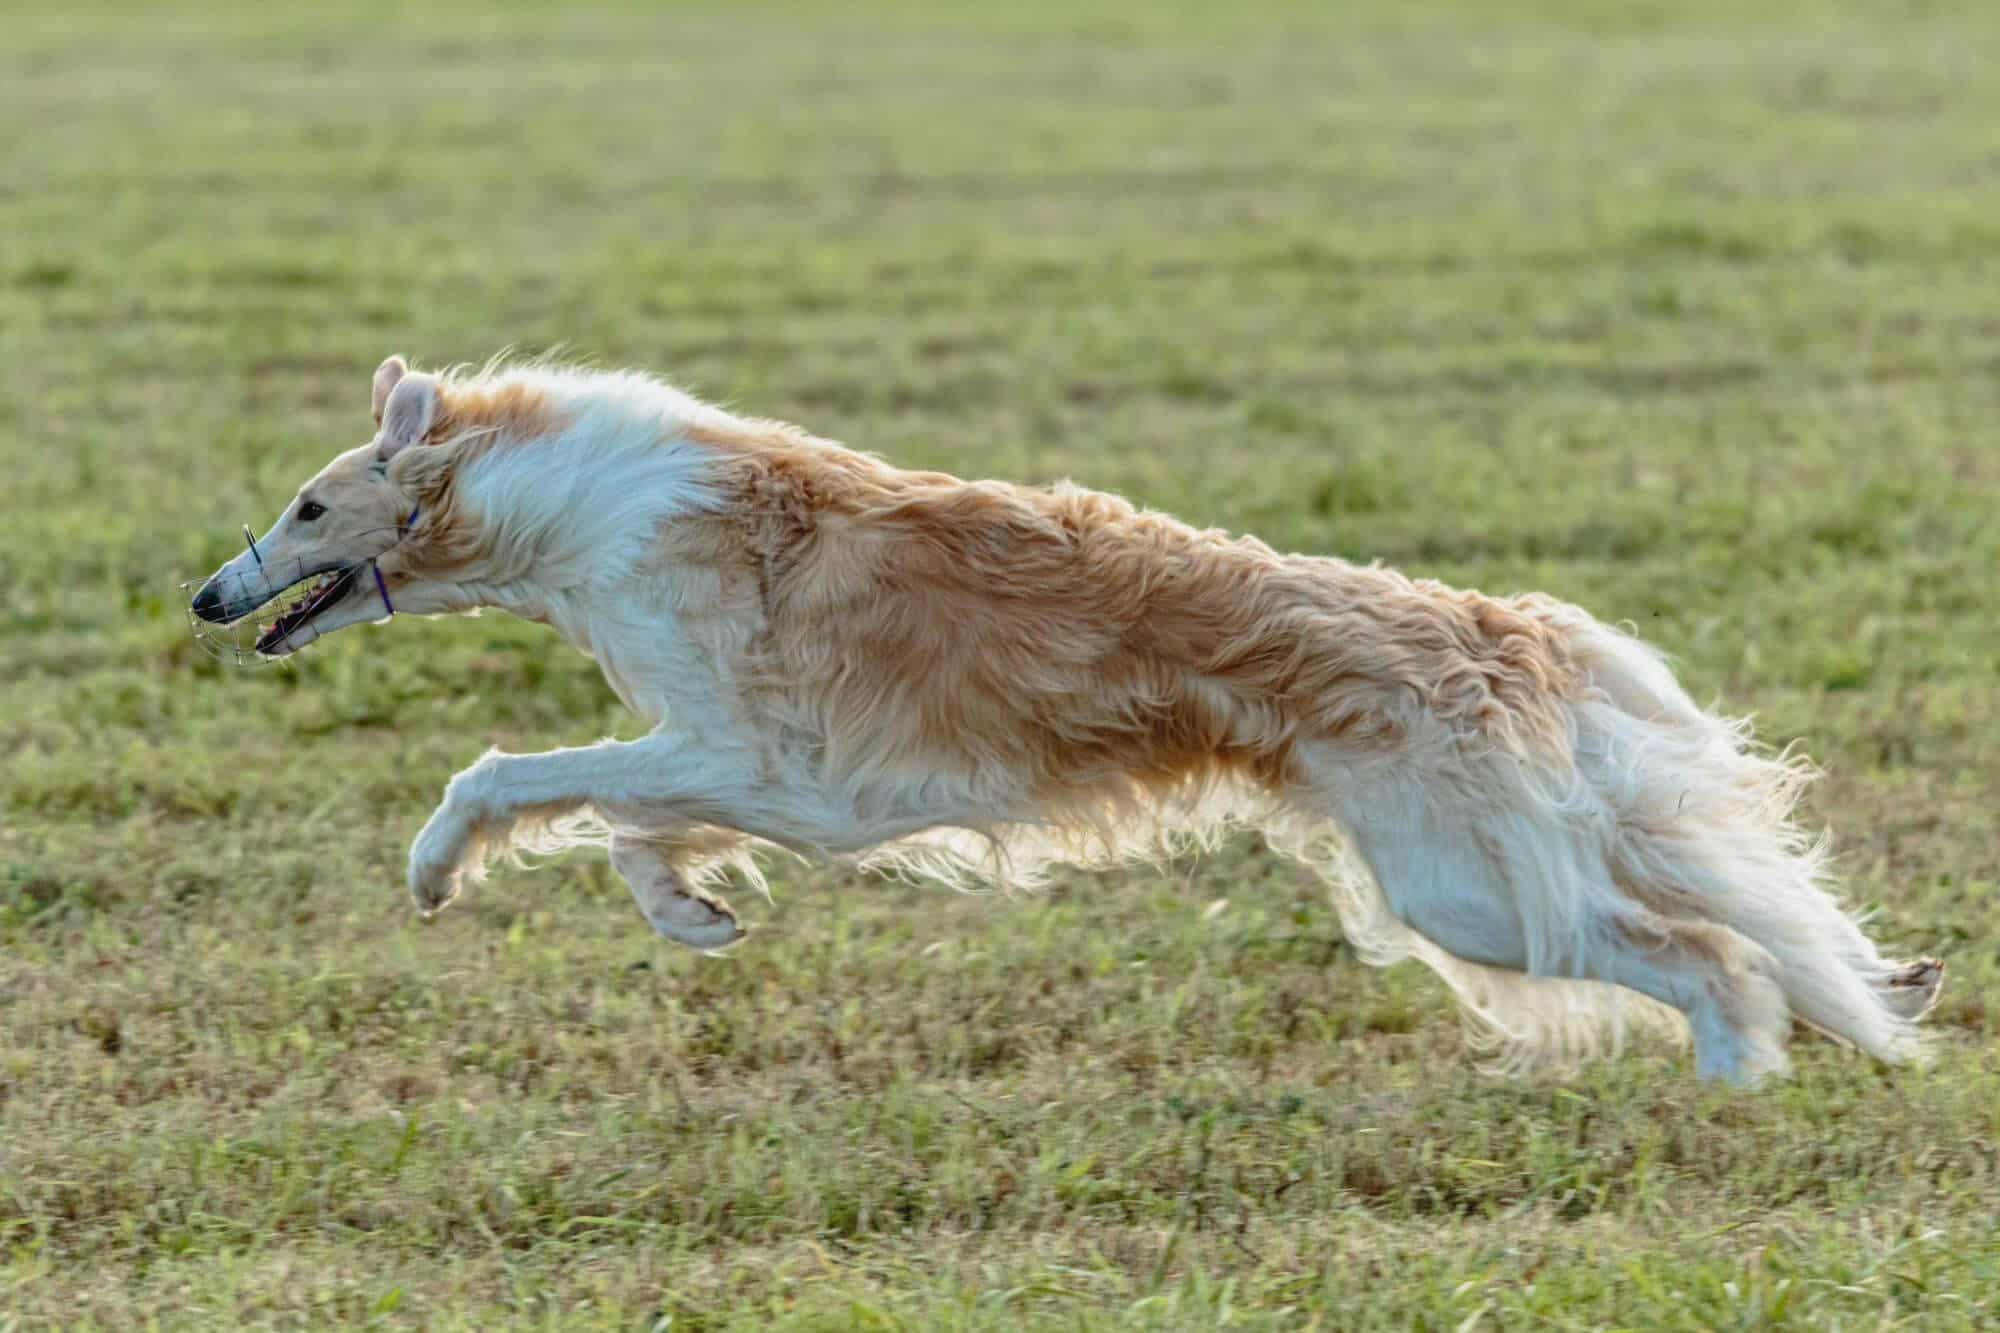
column 975, row 680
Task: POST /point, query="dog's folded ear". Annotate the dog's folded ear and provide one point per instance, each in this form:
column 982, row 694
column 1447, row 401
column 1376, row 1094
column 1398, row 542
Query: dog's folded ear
column 409, row 413
column 386, row 376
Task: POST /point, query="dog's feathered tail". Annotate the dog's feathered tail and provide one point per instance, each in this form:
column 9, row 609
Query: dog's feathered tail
column 1707, row 818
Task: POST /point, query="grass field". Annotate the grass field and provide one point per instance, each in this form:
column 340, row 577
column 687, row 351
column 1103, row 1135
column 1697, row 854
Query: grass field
column 1688, row 312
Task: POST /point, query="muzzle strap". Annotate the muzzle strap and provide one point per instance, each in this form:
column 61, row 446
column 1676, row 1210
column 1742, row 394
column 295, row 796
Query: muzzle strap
column 375, row 566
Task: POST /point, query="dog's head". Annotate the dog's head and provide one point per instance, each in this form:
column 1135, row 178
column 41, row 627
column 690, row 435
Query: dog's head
column 357, row 531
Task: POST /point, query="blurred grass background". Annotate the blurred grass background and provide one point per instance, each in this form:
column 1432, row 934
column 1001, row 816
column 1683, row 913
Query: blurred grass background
column 1685, row 312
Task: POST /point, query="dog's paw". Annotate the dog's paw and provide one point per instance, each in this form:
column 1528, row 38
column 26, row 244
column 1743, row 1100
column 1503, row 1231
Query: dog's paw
column 435, row 871
column 1912, row 990
column 432, row 887
column 697, row 919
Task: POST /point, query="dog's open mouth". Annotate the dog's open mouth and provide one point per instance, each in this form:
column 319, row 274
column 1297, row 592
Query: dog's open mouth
column 274, row 639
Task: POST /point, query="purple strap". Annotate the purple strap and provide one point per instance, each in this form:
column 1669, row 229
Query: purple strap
column 375, row 566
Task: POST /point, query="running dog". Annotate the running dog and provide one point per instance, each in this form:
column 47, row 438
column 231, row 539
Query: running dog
column 976, row 680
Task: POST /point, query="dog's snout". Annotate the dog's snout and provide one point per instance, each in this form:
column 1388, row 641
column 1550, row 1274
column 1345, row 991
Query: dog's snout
column 208, row 602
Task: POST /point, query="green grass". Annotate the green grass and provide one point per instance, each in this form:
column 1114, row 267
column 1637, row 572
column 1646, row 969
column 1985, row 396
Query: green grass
column 1687, row 312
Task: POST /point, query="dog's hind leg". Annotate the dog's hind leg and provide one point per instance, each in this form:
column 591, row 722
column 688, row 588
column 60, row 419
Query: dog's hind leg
column 1412, row 881
column 1530, row 893
column 1726, row 984
column 676, row 907
column 1435, row 878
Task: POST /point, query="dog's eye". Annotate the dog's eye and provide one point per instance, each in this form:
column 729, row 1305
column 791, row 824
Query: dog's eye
column 310, row 510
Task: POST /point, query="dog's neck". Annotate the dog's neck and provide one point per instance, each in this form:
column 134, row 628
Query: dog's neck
column 565, row 526
column 578, row 498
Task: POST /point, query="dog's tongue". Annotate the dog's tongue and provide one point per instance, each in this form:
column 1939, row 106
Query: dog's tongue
column 278, row 631
column 294, row 617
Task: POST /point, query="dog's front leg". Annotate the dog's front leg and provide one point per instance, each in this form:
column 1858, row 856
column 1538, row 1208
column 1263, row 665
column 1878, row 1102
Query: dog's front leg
column 483, row 804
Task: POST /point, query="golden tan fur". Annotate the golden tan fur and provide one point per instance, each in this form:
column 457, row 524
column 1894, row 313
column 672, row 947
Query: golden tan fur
column 509, row 410
column 1066, row 634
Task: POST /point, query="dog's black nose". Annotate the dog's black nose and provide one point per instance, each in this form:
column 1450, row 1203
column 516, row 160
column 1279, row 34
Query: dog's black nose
column 208, row 602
